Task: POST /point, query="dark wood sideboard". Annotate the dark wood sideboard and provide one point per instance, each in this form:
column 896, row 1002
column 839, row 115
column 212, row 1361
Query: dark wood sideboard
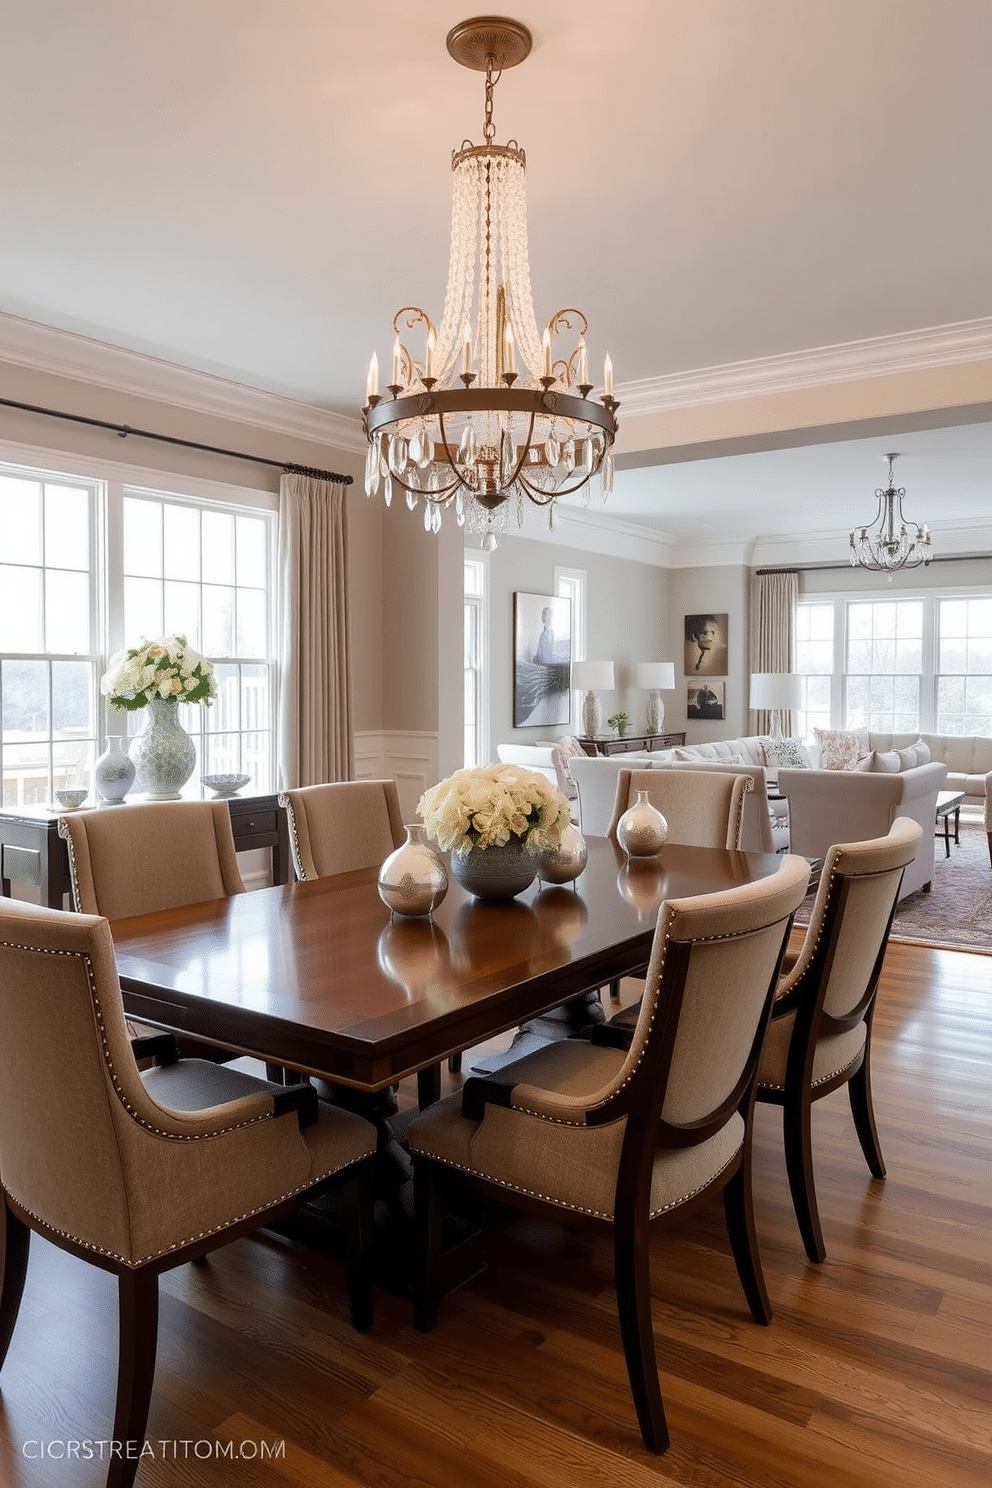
column 32, row 852
column 630, row 742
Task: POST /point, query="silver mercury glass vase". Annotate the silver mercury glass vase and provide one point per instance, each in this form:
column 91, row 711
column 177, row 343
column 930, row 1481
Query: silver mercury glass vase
column 495, row 872
column 642, row 830
column 412, row 880
column 562, row 864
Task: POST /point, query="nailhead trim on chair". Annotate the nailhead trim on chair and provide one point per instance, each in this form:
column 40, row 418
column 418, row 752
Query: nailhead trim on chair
column 179, row 1244
column 287, row 806
column 579, row 1208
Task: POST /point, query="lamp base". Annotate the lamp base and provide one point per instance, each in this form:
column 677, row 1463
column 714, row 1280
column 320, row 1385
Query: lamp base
column 592, row 716
column 656, row 713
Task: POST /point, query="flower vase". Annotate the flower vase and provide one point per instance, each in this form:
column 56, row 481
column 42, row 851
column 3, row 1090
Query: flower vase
column 164, row 755
column 413, row 880
column 642, row 830
column 562, row 864
column 113, row 773
column 495, row 872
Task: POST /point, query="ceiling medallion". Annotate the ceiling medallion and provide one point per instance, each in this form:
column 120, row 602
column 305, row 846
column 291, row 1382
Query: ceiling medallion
column 888, row 543
column 495, row 413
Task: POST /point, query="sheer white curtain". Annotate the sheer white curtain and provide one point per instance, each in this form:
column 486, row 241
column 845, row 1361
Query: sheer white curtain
column 774, row 599
column 316, row 735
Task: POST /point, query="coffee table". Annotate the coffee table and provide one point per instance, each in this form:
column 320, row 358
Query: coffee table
column 948, row 807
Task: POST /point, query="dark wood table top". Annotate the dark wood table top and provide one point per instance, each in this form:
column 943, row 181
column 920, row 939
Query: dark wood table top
column 316, row 977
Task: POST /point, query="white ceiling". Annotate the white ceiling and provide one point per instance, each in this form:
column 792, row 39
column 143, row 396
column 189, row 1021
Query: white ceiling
column 251, row 188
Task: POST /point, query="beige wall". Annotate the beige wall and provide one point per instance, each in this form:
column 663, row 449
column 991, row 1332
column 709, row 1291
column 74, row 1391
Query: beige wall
column 626, row 622
column 722, row 591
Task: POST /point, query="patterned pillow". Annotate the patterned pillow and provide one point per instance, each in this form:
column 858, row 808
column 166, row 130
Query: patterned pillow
column 789, row 754
column 840, row 749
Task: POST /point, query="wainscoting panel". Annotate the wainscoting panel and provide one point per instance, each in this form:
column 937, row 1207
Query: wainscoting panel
column 408, row 758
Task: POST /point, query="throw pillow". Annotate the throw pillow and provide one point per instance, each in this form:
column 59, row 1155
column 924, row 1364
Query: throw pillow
column 886, row 763
column 840, row 749
column 788, row 754
column 922, row 752
column 864, row 762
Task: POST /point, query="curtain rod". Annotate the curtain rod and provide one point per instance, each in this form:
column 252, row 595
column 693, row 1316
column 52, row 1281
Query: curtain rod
column 287, row 467
column 837, row 567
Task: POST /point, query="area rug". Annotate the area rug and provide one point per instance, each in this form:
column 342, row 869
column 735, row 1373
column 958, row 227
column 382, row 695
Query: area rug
column 957, row 913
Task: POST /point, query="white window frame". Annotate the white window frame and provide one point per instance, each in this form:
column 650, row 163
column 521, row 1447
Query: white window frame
column 477, row 698
column 111, row 480
column 573, row 584
column 929, row 674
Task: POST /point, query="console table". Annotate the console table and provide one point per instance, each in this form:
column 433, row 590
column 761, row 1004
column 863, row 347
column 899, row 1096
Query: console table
column 32, row 852
column 631, row 741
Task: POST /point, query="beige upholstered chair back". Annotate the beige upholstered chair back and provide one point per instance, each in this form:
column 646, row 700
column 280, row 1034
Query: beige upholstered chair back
column 131, row 860
column 858, row 884
column 733, row 941
column 702, row 808
column 342, row 826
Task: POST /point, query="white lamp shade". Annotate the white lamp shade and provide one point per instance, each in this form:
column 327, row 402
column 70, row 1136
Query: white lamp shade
column 593, row 676
column 653, row 674
column 780, row 691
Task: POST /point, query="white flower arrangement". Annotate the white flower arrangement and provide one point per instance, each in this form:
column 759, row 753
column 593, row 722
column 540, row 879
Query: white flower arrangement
column 167, row 668
column 486, row 806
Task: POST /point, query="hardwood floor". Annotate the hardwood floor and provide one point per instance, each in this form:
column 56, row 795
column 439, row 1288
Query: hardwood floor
column 875, row 1372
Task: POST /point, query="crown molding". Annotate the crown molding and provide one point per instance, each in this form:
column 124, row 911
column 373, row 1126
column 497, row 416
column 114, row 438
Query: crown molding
column 851, row 361
column 41, row 348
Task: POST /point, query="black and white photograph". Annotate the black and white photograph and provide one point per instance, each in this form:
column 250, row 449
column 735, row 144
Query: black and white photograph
column 542, row 655
column 704, row 700
column 706, row 646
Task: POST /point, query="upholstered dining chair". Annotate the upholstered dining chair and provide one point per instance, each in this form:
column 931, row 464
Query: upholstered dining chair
column 138, row 1173
column 343, row 825
column 621, row 1138
column 702, row 808
column 819, row 1036
column 131, row 860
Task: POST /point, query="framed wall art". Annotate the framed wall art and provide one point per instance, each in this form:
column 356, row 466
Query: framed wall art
column 706, row 646
column 542, row 658
column 704, row 700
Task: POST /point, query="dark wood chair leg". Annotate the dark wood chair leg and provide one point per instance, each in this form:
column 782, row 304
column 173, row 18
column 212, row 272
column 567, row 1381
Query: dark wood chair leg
column 797, row 1134
column 428, row 1086
column 16, row 1241
column 428, row 1229
column 859, row 1094
column 633, row 1283
column 356, row 1217
column 137, row 1293
column 738, row 1208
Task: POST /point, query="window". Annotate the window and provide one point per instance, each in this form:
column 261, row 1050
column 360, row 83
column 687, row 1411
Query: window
column 917, row 663
column 49, row 650
column 476, row 711
column 570, row 583
column 88, row 565
column 195, row 570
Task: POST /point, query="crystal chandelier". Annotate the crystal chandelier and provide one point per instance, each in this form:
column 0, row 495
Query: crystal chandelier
column 495, row 414
column 889, row 544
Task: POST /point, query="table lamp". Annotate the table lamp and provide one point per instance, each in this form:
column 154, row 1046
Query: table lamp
column 776, row 693
column 593, row 677
column 652, row 676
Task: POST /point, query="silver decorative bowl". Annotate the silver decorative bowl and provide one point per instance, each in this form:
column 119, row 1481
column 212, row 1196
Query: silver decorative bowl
column 70, row 799
column 225, row 785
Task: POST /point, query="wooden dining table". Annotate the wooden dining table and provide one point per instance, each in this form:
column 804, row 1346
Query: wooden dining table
column 317, row 977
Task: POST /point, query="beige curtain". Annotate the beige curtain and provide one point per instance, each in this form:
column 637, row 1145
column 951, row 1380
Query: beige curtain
column 774, row 600
column 316, row 735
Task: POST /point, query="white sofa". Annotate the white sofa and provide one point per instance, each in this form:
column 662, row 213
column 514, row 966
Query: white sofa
column 968, row 759
column 829, row 806
column 551, row 759
column 595, row 778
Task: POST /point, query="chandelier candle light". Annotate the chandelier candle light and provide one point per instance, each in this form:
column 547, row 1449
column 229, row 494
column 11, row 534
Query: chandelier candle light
column 888, row 544
column 464, row 428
